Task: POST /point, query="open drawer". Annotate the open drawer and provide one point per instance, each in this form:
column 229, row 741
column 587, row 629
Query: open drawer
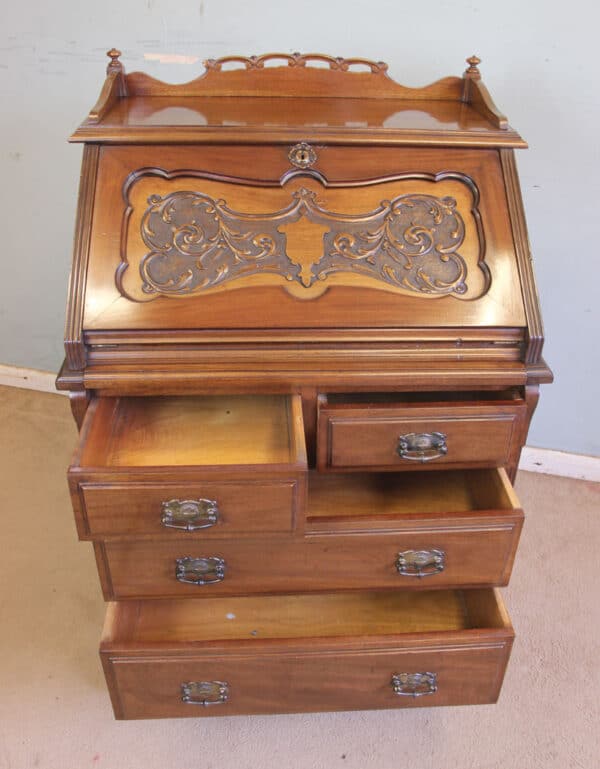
column 362, row 532
column 206, row 467
column 298, row 653
column 419, row 431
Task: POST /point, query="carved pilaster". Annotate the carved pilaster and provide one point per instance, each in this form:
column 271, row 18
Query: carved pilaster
column 535, row 331
column 74, row 347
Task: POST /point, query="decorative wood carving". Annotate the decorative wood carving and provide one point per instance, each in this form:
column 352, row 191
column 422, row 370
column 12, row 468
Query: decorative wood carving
column 296, row 60
column 408, row 243
column 274, row 75
column 472, row 70
column 478, row 96
column 283, row 74
column 113, row 89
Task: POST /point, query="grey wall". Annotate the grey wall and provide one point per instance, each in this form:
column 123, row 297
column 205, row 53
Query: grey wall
column 539, row 61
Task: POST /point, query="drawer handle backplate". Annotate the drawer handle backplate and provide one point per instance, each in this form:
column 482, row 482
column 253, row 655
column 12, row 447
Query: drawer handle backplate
column 420, row 563
column 200, row 571
column 189, row 514
column 204, row 692
column 422, row 447
column 414, row 684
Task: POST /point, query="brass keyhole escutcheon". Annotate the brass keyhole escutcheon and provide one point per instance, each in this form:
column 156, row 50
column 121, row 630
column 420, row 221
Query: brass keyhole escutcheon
column 302, row 155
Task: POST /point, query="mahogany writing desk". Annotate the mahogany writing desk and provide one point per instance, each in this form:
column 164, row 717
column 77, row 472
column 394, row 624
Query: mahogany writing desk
column 303, row 350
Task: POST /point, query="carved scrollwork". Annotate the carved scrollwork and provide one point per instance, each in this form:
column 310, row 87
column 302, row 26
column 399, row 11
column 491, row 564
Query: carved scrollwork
column 197, row 242
column 410, row 241
column 296, row 60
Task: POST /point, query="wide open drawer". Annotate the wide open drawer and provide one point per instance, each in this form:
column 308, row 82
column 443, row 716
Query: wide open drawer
column 419, row 431
column 165, row 659
column 203, row 468
column 362, row 532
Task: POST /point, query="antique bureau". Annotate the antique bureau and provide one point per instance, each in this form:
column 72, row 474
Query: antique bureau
column 303, row 349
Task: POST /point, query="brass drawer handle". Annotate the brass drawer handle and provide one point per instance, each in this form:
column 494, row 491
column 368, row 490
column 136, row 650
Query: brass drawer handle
column 200, row 571
column 204, row 692
column 422, row 447
column 414, row 684
column 189, row 514
column 420, row 563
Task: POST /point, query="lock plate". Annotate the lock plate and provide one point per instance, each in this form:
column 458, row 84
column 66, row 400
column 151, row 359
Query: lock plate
column 302, row 155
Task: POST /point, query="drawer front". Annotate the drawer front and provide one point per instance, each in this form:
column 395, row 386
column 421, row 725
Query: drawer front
column 195, row 510
column 419, row 438
column 471, row 555
column 298, row 680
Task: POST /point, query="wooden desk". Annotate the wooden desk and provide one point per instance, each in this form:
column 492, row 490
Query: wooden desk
column 303, row 348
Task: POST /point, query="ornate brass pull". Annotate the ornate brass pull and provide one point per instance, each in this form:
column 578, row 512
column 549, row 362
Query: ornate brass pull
column 414, row 684
column 420, row 563
column 422, row 447
column 189, row 514
column 200, row 571
column 204, row 692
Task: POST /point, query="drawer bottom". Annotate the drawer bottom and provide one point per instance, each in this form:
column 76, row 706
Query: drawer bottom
column 301, row 653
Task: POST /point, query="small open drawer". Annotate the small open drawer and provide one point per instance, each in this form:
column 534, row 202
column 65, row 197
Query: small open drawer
column 299, row 653
column 419, row 431
column 195, row 467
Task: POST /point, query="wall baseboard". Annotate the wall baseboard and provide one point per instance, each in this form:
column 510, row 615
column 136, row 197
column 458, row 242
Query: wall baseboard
column 550, row 462
column 28, row 378
column 533, row 460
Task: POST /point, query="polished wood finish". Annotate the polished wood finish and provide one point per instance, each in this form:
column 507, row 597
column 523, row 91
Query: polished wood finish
column 477, row 553
column 279, row 268
column 314, row 662
column 535, row 331
column 262, row 430
column 312, row 615
column 116, row 228
column 246, row 453
column 472, row 516
column 348, row 101
column 79, row 401
column 362, row 498
column 362, row 434
column 74, row 349
column 246, row 507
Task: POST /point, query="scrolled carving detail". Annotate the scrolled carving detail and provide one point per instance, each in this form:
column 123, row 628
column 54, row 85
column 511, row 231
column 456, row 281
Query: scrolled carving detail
column 296, row 60
column 197, row 242
column 410, row 241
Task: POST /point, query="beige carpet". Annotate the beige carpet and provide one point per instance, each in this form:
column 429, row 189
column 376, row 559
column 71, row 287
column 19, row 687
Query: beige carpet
column 55, row 712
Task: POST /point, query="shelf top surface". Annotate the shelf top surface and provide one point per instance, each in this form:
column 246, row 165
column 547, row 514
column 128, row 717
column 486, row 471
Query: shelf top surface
column 339, row 101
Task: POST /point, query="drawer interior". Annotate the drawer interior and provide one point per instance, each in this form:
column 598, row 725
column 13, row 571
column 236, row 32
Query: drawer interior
column 343, row 495
column 188, row 431
column 302, row 616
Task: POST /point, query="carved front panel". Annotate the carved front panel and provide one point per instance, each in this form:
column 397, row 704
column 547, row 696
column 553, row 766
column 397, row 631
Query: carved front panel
column 187, row 234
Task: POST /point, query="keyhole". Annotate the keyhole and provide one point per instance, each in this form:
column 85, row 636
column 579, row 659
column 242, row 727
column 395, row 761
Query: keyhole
column 303, row 156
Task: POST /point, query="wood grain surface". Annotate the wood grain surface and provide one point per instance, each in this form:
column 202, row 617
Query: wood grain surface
column 345, row 663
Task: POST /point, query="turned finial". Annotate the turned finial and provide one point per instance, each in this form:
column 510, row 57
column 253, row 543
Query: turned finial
column 473, row 70
column 114, row 63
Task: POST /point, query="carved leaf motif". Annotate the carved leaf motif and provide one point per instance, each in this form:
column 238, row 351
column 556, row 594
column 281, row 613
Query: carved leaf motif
column 411, row 241
column 196, row 242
